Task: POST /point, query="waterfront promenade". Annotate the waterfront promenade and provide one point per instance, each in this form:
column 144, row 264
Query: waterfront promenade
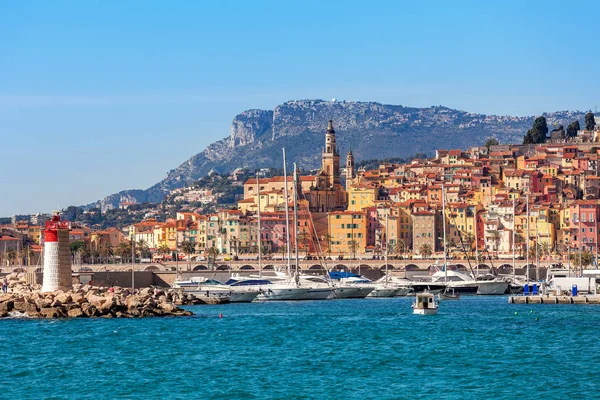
column 267, row 265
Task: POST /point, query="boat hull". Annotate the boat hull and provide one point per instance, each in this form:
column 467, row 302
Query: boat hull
column 319, row 294
column 243, row 296
column 382, row 292
column 492, row 288
column 464, row 288
column 280, row 294
column 403, row 291
column 419, row 287
column 425, row 311
column 348, row 292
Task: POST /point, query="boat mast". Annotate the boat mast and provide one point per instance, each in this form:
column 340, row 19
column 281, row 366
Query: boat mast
column 258, row 237
column 387, row 240
column 444, row 227
column 476, row 246
column 527, row 241
column 295, row 189
column 513, row 239
column 287, row 213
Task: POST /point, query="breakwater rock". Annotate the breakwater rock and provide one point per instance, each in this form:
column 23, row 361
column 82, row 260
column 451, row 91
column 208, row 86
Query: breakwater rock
column 86, row 301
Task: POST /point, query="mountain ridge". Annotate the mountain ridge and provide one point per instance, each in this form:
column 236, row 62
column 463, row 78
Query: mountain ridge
column 370, row 129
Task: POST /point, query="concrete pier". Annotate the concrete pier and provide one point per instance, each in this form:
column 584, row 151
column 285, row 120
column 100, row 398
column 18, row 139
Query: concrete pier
column 553, row 299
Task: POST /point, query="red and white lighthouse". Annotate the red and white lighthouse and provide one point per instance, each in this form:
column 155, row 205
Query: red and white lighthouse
column 57, row 256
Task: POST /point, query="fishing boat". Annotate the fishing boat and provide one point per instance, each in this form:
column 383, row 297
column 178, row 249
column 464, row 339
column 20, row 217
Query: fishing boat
column 449, row 294
column 425, row 304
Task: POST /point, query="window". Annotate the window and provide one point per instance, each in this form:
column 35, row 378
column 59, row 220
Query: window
column 582, row 230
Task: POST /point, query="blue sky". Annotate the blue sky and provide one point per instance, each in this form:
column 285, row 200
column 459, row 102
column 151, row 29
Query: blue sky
column 101, row 96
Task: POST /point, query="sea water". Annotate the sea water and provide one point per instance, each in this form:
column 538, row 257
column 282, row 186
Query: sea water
column 477, row 347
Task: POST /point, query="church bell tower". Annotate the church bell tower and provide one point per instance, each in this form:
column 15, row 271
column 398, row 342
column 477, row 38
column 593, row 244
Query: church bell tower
column 331, row 157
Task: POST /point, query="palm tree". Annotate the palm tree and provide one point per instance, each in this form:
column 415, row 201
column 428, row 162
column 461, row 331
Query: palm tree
column 587, row 258
column 11, row 255
column 304, row 237
column 188, row 248
column 235, row 243
column 123, row 250
column 106, row 251
column 353, row 243
column 426, row 250
column 327, row 238
column 520, row 243
column 211, row 255
column 496, row 238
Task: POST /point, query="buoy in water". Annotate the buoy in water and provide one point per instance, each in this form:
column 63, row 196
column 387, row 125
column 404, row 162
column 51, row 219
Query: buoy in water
column 516, row 312
column 220, row 315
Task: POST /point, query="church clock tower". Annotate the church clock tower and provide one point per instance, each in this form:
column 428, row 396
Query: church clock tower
column 331, row 158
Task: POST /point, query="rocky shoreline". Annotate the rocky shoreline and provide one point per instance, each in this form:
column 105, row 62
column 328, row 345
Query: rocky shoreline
column 85, row 301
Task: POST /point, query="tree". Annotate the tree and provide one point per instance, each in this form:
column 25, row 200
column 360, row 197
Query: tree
column 496, row 239
column 163, row 249
column 11, row 255
column 590, row 122
column 211, row 255
column 537, row 134
column 491, row 142
column 353, row 243
column 327, row 238
column 586, row 257
column 106, row 251
column 572, row 129
column 304, row 238
column 188, row 248
column 426, row 250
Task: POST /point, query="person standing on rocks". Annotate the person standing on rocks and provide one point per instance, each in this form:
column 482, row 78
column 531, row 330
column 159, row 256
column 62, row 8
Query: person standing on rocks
column 4, row 284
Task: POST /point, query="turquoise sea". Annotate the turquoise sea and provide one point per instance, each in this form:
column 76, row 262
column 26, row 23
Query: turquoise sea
column 478, row 347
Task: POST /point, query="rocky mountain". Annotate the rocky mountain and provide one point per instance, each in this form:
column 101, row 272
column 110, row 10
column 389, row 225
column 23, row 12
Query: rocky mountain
column 370, row 130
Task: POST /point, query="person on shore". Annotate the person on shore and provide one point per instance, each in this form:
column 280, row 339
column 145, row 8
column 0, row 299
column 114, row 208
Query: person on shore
column 4, row 284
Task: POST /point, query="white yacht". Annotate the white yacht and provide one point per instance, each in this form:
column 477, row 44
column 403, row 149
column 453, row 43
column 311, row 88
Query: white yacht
column 267, row 289
column 402, row 285
column 466, row 284
column 351, row 286
column 318, row 288
column 202, row 287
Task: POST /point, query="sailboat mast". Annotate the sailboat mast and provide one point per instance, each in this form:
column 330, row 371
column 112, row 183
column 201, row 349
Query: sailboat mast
column 513, row 239
column 476, row 245
column 295, row 189
column 527, row 241
column 387, row 241
column 287, row 213
column 258, row 236
column 444, row 227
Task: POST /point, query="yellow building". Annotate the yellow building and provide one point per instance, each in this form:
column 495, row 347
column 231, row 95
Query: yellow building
column 362, row 196
column 348, row 231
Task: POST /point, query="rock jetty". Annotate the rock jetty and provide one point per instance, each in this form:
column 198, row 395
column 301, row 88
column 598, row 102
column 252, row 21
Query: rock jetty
column 85, row 301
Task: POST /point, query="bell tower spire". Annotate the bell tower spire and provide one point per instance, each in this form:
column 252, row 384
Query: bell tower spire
column 331, row 157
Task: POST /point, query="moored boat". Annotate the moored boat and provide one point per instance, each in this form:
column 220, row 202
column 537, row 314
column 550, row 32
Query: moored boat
column 425, row 304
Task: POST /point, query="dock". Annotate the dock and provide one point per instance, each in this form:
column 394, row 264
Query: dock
column 554, row 299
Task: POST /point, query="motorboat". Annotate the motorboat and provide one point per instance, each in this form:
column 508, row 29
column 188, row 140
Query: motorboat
column 491, row 285
column 402, row 285
column 383, row 290
column 425, row 304
column 201, row 287
column 466, row 284
column 318, row 287
column 349, row 285
column 197, row 288
column 267, row 289
column 448, row 294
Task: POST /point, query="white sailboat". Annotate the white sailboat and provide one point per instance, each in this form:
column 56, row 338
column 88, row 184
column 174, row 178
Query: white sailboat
column 385, row 288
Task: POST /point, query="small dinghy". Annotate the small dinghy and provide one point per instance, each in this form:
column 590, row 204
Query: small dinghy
column 449, row 294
